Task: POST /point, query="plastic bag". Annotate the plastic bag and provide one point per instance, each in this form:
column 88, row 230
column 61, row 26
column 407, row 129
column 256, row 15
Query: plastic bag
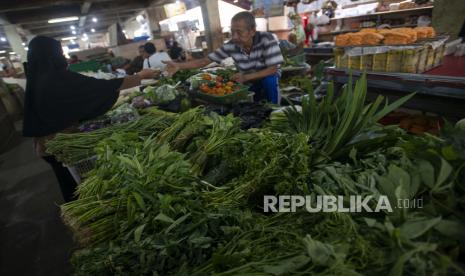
column 423, row 21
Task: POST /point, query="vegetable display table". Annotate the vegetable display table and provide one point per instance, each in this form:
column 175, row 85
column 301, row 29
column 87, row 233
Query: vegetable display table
column 444, row 95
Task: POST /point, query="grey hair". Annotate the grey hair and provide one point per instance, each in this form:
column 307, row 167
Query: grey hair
column 248, row 18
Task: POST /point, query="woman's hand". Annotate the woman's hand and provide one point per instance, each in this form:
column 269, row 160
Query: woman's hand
column 134, row 80
column 149, row 74
column 171, row 67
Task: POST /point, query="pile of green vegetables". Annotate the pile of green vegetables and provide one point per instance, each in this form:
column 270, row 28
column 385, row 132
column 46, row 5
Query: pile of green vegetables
column 183, row 194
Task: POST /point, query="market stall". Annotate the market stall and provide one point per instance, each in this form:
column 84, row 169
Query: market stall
column 183, row 192
column 190, row 173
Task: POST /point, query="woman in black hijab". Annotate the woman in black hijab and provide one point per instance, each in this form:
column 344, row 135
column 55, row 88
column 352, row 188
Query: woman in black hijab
column 57, row 99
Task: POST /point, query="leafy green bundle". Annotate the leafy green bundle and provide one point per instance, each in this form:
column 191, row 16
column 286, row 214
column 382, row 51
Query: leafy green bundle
column 187, row 200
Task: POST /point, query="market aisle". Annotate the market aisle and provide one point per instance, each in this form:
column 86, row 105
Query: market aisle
column 33, row 240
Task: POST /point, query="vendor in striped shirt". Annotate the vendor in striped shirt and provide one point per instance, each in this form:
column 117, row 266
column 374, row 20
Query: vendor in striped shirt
column 256, row 54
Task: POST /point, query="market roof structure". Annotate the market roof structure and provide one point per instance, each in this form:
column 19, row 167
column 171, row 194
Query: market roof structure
column 35, row 16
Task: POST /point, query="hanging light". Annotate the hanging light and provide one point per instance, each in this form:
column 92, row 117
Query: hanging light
column 63, row 19
column 68, row 38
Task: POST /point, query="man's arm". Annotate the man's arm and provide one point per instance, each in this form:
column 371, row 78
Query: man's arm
column 172, row 67
column 271, row 70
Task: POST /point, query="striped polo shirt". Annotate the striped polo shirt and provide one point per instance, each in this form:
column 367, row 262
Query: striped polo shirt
column 265, row 53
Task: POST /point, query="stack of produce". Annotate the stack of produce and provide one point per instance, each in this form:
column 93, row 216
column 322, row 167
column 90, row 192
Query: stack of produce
column 122, row 114
column 425, row 32
column 214, row 85
column 397, row 36
column 71, row 148
column 371, row 38
column 415, row 124
column 188, row 200
column 342, row 40
column 168, row 93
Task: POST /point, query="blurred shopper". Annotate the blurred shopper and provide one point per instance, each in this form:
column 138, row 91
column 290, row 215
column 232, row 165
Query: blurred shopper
column 58, row 99
column 176, row 52
column 137, row 63
column 154, row 60
column 291, row 47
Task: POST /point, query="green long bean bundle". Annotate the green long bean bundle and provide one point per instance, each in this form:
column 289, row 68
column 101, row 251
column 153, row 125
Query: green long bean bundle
column 74, row 147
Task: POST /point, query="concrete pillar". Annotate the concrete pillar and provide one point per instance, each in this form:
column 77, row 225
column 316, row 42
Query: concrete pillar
column 449, row 16
column 212, row 23
column 154, row 16
column 113, row 35
column 14, row 39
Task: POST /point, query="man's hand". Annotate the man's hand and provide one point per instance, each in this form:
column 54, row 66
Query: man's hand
column 149, row 73
column 171, row 67
column 239, row 77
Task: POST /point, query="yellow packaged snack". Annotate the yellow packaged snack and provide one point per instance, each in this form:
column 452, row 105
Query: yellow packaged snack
column 371, row 38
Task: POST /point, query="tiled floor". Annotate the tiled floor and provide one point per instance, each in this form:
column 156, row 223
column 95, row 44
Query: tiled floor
column 33, row 239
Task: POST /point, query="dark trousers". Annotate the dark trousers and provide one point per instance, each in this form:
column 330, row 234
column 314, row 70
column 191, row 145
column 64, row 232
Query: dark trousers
column 266, row 89
column 64, row 177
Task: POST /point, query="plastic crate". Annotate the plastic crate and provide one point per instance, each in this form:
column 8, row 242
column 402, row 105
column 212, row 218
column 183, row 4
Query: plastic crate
column 81, row 168
column 85, row 66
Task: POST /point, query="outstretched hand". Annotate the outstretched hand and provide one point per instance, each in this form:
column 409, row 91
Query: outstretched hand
column 171, row 67
column 149, row 73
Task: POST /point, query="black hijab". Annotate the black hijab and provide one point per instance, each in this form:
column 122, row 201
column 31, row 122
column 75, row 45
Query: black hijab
column 57, row 98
